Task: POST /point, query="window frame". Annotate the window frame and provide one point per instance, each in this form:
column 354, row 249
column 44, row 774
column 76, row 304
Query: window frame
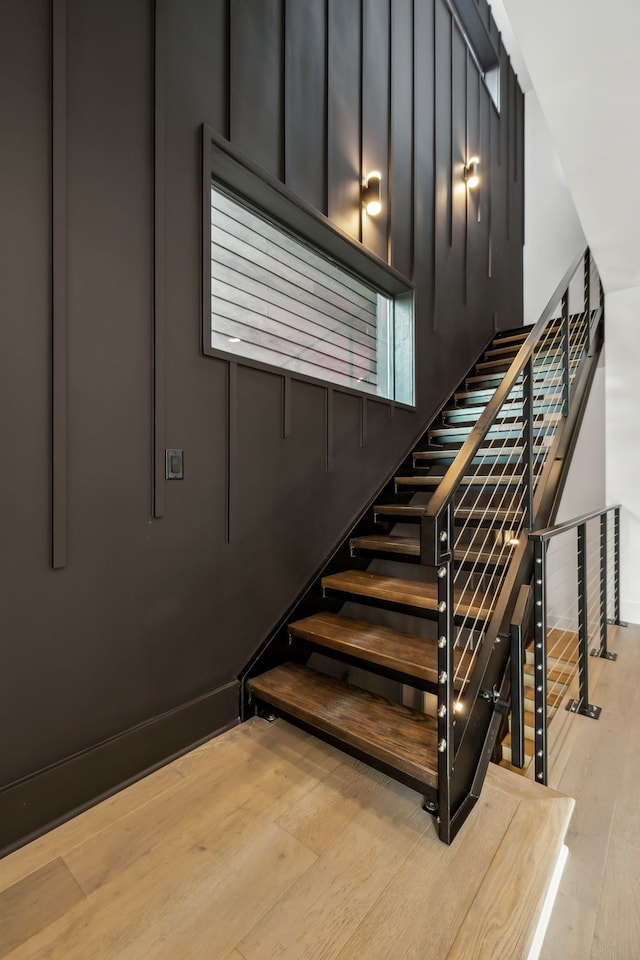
column 227, row 166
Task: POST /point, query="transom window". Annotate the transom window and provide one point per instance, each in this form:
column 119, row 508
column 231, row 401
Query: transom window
column 278, row 299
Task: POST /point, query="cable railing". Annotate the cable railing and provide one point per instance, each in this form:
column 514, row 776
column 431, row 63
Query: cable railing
column 473, row 530
column 575, row 597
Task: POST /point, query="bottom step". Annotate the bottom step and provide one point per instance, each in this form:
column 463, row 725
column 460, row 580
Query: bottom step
column 396, row 736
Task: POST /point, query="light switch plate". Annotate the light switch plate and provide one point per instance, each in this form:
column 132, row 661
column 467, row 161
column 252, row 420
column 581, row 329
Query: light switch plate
column 174, row 464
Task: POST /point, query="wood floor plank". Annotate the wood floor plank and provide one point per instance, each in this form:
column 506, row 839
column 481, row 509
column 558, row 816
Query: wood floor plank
column 570, row 940
column 260, row 782
column 228, row 900
column 122, row 916
column 324, row 812
column 86, row 825
column 391, row 733
column 327, row 904
column 34, row 902
column 434, row 881
column 512, row 896
column 617, row 928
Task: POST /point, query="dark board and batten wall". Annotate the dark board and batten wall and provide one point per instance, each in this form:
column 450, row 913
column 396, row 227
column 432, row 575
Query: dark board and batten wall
column 129, row 603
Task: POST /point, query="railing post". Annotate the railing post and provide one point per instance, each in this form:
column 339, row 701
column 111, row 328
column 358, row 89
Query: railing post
column 582, row 705
column 603, row 651
column 540, row 659
column 527, row 429
column 587, row 302
column 517, row 658
column 565, row 347
column 446, row 640
column 616, row 566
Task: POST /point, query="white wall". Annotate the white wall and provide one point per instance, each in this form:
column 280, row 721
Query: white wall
column 585, row 486
column 622, row 310
column 553, row 235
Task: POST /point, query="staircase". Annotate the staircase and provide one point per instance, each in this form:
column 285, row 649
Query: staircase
column 398, row 654
column 399, row 739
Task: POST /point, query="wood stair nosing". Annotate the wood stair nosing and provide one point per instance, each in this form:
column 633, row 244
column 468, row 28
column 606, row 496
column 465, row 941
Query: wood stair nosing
column 415, row 658
column 402, row 739
column 360, row 586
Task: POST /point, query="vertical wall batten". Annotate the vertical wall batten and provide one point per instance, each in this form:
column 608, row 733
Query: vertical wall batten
column 286, row 407
column 363, row 421
column 159, row 260
column 59, row 292
column 401, row 138
column 232, row 448
column 328, row 429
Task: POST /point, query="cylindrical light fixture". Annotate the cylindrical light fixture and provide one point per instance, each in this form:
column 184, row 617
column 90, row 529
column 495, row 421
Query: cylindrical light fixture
column 371, row 194
column 472, row 173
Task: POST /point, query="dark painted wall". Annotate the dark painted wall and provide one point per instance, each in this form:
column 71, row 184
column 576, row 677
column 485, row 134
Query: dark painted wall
column 163, row 590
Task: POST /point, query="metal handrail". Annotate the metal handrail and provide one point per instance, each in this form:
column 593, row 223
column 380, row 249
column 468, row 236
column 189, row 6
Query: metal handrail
column 548, row 532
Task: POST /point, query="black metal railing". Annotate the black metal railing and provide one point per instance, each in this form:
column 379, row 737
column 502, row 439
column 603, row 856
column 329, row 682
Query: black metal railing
column 576, row 590
column 473, row 528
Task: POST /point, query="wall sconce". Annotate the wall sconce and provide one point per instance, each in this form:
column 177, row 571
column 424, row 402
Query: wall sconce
column 472, row 173
column 371, row 194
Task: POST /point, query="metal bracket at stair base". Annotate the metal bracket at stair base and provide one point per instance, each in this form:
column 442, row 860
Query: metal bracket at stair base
column 604, row 655
column 591, row 710
column 493, row 696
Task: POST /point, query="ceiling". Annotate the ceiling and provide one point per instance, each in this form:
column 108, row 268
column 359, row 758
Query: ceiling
column 583, row 61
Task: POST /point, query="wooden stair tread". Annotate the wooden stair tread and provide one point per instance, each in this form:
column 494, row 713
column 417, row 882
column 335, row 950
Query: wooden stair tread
column 410, row 546
column 472, row 480
column 415, row 511
column 505, row 449
column 413, row 593
column 371, row 643
column 505, row 425
column 402, row 738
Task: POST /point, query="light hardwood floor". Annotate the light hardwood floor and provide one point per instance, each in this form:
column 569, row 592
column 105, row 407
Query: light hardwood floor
column 266, row 843
column 597, row 912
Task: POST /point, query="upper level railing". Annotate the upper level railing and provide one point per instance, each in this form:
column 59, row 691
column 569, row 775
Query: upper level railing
column 576, row 590
column 473, row 527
